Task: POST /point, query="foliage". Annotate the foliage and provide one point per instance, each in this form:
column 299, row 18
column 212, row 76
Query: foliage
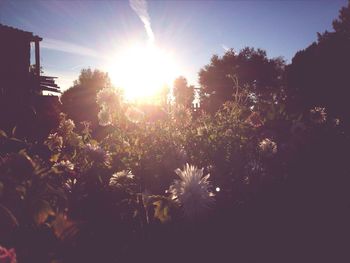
column 342, row 24
column 79, row 101
column 123, row 189
column 259, row 76
column 183, row 93
column 318, row 75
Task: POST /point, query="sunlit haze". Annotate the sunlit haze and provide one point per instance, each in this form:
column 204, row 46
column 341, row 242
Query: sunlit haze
column 142, row 70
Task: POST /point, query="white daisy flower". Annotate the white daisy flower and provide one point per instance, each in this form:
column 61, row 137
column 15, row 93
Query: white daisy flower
column 119, row 176
column 192, row 191
column 97, row 154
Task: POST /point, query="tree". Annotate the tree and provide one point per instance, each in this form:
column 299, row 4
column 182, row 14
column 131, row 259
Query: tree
column 184, row 94
column 79, row 101
column 319, row 75
column 342, row 24
column 250, row 70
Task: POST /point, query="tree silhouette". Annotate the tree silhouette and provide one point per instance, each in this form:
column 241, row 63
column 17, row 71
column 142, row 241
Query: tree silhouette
column 342, row 24
column 257, row 74
column 319, row 75
column 79, row 101
column 184, row 94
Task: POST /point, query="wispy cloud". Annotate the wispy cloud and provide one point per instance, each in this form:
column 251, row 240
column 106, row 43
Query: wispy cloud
column 80, row 66
column 63, row 46
column 141, row 9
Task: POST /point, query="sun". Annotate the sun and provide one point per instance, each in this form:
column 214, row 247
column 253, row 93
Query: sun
column 142, row 71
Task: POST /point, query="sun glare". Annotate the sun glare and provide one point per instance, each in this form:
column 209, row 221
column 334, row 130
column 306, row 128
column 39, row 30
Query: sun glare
column 142, row 71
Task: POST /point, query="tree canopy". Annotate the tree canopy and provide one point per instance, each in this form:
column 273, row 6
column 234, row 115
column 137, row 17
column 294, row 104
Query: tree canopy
column 79, row 101
column 183, row 93
column 249, row 69
column 319, row 75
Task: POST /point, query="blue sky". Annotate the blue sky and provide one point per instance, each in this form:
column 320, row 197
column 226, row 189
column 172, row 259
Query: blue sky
column 81, row 34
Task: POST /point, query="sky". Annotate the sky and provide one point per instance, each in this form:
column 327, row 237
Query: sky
column 81, row 34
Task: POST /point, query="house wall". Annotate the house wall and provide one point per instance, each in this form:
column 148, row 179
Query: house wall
column 14, row 63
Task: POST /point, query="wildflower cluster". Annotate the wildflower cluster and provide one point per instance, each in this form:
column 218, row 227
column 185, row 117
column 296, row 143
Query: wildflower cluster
column 73, row 185
column 66, row 127
column 54, row 142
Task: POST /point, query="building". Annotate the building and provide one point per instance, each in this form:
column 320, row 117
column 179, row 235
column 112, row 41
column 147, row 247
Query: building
column 17, row 73
column 22, row 102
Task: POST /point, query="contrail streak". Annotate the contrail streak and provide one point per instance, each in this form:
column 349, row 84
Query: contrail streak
column 140, row 8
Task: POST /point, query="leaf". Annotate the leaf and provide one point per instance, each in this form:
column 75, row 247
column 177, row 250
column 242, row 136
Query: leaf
column 42, row 210
column 74, row 154
column 7, row 218
column 55, row 157
column 14, row 131
column 161, row 211
column 33, row 110
column 3, row 134
column 21, row 191
column 63, row 227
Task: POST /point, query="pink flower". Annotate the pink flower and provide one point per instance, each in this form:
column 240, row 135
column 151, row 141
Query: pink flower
column 7, row 255
column 254, row 120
